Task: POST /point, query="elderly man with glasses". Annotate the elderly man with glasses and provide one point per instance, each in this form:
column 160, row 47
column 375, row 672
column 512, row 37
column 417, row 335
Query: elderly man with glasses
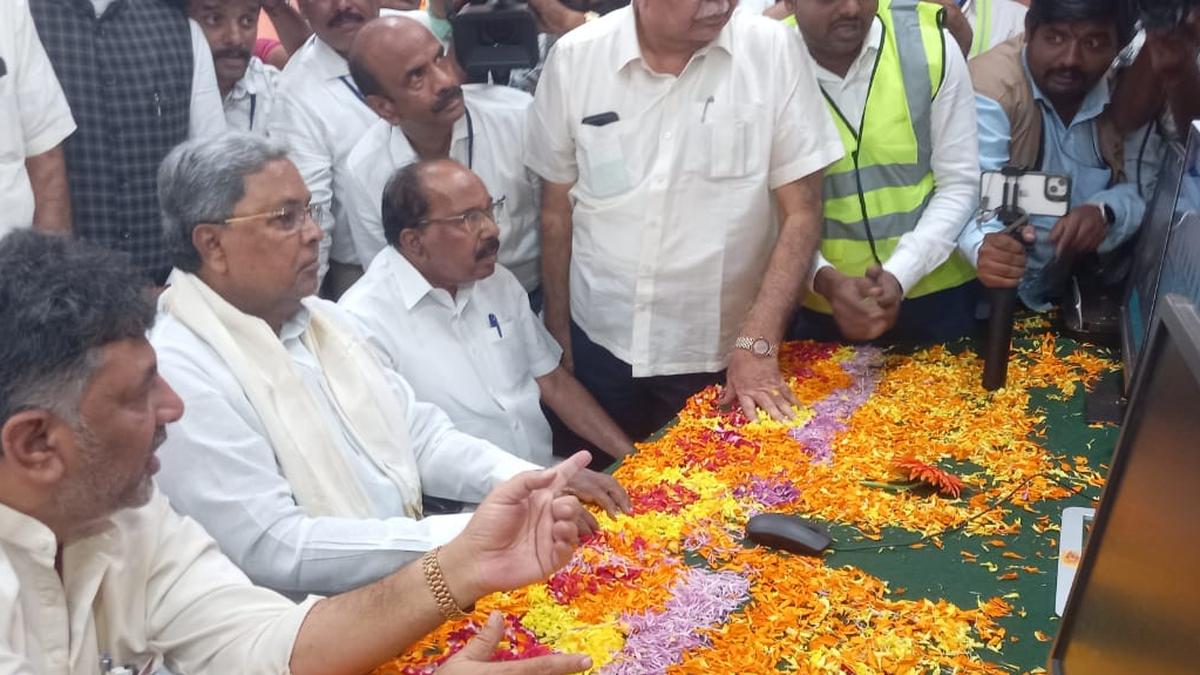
column 303, row 455
column 459, row 326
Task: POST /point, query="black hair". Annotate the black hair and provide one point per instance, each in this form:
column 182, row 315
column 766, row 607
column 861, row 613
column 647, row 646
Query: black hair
column 1120, row 13
column 405, row 204
column 60, row 301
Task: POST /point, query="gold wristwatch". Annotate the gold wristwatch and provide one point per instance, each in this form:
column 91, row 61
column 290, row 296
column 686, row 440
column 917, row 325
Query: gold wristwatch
column 759, row 346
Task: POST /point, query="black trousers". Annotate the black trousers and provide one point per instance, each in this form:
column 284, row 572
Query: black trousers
column 639, row 405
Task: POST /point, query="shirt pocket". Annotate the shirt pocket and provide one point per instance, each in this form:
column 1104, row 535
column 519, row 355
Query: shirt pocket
column 726, row 141
column 604, row 170
column 509, row 360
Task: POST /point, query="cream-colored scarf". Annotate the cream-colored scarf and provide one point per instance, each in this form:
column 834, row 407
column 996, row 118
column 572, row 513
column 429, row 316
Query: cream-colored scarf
column 311, row 458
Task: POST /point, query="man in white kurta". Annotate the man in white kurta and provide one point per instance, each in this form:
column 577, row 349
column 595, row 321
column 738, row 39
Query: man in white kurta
column 681, row 147
column 303, row 455
column 459, row 326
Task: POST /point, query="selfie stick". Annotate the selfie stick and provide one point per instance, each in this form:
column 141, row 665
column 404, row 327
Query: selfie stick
column 1003, row 300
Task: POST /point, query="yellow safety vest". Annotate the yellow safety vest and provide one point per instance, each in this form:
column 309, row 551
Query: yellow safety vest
column 983, row 28
column 880, row 188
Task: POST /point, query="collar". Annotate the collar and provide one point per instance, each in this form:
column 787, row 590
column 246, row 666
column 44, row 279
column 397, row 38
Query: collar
column 252, row 82
column 323, row 62
column 28, row 534
column 866, row 54
column 295, row 326
column 401, row 150
column 414, row 288
column 629, row 49
column 1094, row 102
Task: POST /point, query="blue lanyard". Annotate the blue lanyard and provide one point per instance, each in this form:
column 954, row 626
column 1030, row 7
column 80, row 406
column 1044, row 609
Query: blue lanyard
column 353, row 89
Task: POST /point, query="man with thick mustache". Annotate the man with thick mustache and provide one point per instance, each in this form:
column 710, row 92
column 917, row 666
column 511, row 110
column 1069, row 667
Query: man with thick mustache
column 681, row 150
column 319, row 114
column 304, row 456
column 247, row 85
column 459, row 326
column 411, row 82
column 1041, row 102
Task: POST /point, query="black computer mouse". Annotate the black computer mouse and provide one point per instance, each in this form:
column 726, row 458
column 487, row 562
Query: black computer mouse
column 789, row 533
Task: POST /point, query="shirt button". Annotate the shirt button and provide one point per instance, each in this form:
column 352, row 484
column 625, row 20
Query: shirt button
column 126, row 235
column 667, row 135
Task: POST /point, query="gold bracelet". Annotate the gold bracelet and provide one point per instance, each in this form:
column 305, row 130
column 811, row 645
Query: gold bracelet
column 437, row 585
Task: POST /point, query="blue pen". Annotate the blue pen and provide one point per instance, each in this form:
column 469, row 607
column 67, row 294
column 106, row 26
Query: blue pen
column 493, row 322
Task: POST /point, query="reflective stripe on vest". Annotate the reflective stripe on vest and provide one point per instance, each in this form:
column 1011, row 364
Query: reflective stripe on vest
column 879, row 190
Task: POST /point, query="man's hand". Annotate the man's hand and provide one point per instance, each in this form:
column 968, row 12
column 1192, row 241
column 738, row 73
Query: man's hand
column 554, row 17
column 524, row 531
column 476, row 657
column 1002, row 259
column 601, row 489
column 856, row 304
column 956, row 22
column 755, row 382
column 1080, row 231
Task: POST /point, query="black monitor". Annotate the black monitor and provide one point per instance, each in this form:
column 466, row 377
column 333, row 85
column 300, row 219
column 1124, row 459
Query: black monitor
column 1142, row 291
column 1135, row 603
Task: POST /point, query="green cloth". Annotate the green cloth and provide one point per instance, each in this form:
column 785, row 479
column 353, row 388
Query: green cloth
column 936, row 573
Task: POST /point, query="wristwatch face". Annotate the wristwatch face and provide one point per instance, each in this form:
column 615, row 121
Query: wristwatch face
column 761, row 347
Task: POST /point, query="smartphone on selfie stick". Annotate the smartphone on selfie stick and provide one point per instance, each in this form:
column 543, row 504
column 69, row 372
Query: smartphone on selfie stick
column 1014, row 195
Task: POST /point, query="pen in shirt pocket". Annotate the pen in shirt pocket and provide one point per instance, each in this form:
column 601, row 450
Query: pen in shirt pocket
column 493, row 322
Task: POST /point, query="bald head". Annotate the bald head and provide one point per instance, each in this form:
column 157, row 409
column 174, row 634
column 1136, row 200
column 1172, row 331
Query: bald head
column 405, row 74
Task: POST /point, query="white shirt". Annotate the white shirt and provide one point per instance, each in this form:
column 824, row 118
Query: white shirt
column 1007, row 21
column 35, row 114
column 149, row 588
column 475, row 355
column 248, row 104
column 219, row 468
column 205, row 117
column 319, row 116
column 955, row 160
column 498, row 119
column 673, row 215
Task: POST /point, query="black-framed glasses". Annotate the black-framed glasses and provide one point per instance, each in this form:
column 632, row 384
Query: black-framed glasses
column 471, row 220
column 287, row 218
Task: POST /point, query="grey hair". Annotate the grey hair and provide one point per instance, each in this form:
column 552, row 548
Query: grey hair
column 201, row 180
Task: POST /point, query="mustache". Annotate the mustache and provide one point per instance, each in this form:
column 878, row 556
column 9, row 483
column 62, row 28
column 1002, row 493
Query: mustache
column 1073, row 73
column 489, row 247
column 344, row 17
column 160, row 437
column 711, row 10
column 232, row 53
column 446, row 97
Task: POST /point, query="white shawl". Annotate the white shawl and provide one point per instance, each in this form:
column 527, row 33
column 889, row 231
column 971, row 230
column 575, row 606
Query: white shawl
column 312, row 460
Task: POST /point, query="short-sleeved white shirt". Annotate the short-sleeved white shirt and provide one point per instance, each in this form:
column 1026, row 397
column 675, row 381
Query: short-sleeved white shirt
column 674, row 220
column 475, row 355
column 248, row 104
column 34, row 115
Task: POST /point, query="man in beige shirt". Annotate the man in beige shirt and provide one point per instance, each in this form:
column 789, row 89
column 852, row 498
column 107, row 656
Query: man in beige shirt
column 97, row 573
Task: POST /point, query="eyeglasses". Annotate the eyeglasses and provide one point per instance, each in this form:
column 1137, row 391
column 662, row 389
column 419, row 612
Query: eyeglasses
column 471, row 220
column 288, row 218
